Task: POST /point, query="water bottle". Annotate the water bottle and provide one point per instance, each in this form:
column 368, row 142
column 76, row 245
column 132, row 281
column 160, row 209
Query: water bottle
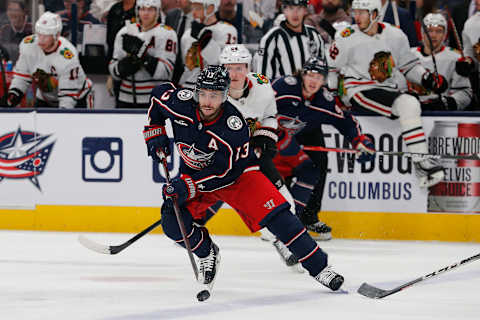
column 9, row 66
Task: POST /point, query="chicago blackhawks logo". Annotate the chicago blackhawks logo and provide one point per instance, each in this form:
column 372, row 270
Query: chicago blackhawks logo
column 24, row 155
column 193, row 157
column 261, row 78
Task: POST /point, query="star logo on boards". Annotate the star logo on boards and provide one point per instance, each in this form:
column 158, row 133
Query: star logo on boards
column 24, row 155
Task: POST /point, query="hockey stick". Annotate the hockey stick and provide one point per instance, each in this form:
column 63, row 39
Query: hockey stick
column 370, row 291
column 106, row 249
column 399, row 153
column 180, row 221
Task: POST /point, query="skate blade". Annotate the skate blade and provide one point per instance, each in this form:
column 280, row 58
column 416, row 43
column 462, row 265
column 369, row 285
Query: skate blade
column 320, row 236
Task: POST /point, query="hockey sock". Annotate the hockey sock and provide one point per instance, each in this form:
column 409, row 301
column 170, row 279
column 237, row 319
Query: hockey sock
column 288, row 229
column 199, row 238
column 307, row 176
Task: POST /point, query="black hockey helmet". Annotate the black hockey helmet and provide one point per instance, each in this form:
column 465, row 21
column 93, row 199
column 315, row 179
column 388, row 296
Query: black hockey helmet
column 314, row 64
column 295, row 2
column 213, row 78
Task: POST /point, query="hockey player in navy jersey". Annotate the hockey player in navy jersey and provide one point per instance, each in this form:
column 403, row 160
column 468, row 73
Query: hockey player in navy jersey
column 217, row 163
column 303, row 105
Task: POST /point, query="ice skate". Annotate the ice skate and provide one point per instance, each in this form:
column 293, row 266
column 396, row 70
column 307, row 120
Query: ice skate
column 330, row 278
column 284, row 253
column 266, row 235
column 429, row 172
column 319, row 231
column 208, row 267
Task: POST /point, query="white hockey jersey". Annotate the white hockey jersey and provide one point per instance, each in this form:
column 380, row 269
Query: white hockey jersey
column 162, row 44
column 68, row 80
column 258, row 103
column 471, row 35
column 351, row 53
column 222, row 33
column 458, row 86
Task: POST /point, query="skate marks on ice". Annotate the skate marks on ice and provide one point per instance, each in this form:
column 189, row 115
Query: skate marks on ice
column 209, row 309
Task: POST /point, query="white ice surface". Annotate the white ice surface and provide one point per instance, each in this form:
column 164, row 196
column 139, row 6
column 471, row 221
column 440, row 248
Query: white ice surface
column 46, row 275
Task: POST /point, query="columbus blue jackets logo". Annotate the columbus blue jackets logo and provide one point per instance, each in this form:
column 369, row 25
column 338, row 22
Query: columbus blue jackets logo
column 24, row 155
column 193, row 157
column 292, row 125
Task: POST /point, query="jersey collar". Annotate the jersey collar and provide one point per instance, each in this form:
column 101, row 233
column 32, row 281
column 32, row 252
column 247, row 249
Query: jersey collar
column 290, row 32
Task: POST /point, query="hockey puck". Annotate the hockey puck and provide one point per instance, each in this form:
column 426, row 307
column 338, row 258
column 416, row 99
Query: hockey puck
column 203, row 295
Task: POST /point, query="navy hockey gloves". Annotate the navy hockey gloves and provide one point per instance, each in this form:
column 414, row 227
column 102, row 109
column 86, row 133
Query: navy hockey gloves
column 365, row 148
column 158, row 144
column 436, row 84
column 182, row 189
column 265, row 140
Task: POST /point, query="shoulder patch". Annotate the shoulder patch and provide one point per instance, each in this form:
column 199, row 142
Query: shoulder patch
column 455, row 50
column 234, row 123
column 67, row 53
column 347, row 32
column 225, row 22
column 29, row 39
column 185, row 94
column 290, row 80
column 261, row 78
column 164, row 26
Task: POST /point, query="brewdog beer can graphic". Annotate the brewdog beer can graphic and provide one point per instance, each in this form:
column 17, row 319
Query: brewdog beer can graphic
column 460, row 189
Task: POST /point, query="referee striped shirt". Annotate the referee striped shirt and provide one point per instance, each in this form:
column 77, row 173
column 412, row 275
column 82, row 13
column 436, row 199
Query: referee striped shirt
column 283, row 51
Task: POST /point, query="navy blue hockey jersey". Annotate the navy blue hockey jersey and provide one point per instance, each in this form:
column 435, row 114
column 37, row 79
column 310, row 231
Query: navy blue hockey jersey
column 214, row 154
column 297, row 114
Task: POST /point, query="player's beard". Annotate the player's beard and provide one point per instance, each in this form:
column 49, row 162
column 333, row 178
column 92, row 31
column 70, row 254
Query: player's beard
column 211, row 116
column 330, row 9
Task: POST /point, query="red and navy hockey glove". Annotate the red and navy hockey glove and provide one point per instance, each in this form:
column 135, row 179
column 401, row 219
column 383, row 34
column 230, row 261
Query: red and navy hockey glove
column 436, row 84
column 182, row 189
column 365, row 148
column 158, row 144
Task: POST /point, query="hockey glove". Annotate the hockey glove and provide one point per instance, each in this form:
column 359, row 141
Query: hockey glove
column 436, row 84
column 128, row 66
column 266, row 141
column 182, row 189
column 14, row 97
column 464, row 66
column 158, row 144
column 150, row 64
column 365, row 148
column 133, row 45
column 196, row 28
column 444, row 103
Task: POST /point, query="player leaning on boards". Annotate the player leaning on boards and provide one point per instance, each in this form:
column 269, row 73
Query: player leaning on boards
column 204, row 40
column 50, row 64
column 459, row 93
column 354, row 53
column 213, row 139
column 143, row 55
column 304, row 103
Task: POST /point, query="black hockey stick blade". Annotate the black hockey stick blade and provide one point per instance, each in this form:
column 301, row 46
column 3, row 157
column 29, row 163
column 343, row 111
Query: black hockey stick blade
column 106, row 249
column 370, row 291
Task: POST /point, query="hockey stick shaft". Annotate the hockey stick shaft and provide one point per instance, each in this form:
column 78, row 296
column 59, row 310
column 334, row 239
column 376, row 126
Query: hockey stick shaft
column 399, row 153
column 455, row 32
column 180, row 222
column 373, row 292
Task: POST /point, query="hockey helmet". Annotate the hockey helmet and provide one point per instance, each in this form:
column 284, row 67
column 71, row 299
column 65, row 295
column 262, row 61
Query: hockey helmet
column 49, row 24
column 316, row 65
column 295, row 2
column 213, row 78
column 235, row 53
column 206, row 3
column 370, row 5
column 149, row 3
column 435, row 19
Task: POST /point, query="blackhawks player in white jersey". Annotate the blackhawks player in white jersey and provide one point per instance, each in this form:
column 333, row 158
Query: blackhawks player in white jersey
column 366, row 54
column 143, row 56
column 459, row 93
column 203, row 42
column 50, row 64
column 471, row 44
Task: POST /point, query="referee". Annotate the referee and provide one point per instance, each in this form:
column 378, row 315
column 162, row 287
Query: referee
column 285, row 48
